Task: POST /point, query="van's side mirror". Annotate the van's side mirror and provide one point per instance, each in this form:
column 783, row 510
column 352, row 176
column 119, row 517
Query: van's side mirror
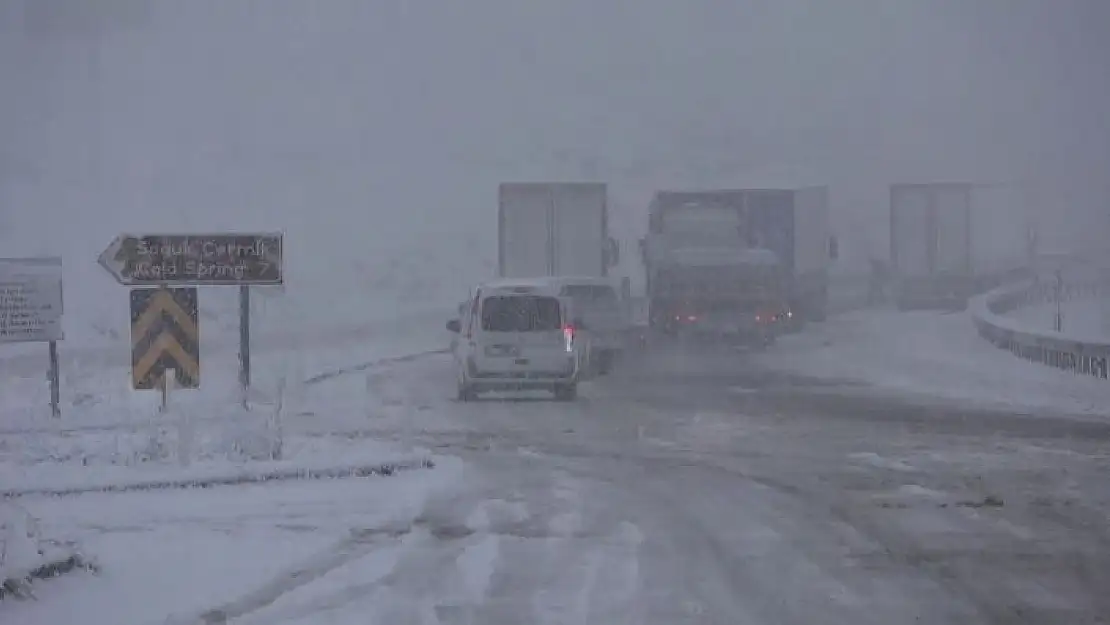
column 454, row 326
column 834, row 248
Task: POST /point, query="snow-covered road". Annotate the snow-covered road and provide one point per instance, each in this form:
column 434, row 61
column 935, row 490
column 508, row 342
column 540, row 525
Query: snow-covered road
column 690, row 487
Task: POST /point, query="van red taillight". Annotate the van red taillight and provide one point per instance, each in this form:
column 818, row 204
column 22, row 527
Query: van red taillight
column 568, row 337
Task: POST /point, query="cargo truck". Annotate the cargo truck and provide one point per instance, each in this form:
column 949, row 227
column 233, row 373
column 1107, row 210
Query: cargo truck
column 791, row 224
column 553, row 229
column 952, row 240
column 560, row 230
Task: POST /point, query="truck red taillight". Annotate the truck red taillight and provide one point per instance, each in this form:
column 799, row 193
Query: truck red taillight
column 568, row 337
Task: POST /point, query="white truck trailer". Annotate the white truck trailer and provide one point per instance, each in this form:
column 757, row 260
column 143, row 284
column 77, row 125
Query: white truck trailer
column 554, row 229
column 949, row 241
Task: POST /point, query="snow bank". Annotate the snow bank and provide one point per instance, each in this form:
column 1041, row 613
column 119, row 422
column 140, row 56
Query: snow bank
column 219, row 544
column 20, row 552
column 936, row 355
column 217, row 475
column 26, row 556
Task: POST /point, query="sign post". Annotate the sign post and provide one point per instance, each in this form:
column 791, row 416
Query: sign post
column 245, row 344
column 1058, row 321
column 177, row 260
column 167, row 387
column 55, row 381
column 31, row 310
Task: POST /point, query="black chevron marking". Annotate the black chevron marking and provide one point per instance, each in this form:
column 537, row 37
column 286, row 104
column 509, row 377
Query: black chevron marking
column 164, row 325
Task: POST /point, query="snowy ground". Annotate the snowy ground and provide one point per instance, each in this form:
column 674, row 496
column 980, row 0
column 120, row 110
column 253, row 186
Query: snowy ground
column 121, row 439
column 110, row 437
column 179, row 552
column 1082, row 318
column 935, row 356
column 96, row 383
column 690, row 487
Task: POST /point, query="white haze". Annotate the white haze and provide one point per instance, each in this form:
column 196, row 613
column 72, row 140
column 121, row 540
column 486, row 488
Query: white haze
column 374, row 132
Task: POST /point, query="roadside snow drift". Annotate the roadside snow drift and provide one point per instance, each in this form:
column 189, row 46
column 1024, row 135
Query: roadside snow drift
column 933, row 354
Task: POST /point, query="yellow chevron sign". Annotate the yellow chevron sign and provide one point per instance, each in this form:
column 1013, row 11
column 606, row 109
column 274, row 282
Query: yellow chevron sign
column 165, row 334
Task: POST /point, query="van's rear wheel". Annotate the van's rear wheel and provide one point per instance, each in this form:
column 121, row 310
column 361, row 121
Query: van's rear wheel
column 566, row 392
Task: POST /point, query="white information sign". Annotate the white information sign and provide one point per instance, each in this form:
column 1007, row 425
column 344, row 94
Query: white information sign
column 30, row 300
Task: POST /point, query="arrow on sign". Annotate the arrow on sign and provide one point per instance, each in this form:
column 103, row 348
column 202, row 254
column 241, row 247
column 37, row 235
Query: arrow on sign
column 115, row 257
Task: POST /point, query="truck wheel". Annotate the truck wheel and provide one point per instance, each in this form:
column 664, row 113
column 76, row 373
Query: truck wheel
column 605, row 362
column 465, row 392
column 566, row 392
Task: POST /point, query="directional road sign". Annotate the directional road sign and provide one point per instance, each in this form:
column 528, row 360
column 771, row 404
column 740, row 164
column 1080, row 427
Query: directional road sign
column 195, row 259
column 165, row 334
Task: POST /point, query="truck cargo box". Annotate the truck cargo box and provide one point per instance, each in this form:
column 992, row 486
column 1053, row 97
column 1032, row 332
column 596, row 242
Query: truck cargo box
column 553, row 229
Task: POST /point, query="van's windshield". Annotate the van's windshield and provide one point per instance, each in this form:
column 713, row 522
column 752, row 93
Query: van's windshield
column 521, row 313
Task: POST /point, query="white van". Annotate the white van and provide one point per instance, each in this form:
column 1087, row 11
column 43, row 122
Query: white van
column 516, row 335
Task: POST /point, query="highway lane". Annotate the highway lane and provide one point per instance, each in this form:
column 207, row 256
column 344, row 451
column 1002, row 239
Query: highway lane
column 691, row 487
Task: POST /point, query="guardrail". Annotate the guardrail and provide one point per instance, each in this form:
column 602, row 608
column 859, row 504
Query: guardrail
column 1081, row 355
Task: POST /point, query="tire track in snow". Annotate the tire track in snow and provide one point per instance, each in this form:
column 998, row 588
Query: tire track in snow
column 436, row 573
column 440, row 575
column 574, row 564
column 523, row 550
column 355, row 546
column 373, row 589
column 752, row 552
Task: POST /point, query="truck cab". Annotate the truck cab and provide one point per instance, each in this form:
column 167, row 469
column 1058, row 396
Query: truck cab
column 790, row 222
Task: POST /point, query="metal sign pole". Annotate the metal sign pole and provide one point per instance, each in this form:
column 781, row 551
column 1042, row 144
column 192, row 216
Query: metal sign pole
column 245, row 344
column 1059, row 322
column 168, row 380
column 55, row 381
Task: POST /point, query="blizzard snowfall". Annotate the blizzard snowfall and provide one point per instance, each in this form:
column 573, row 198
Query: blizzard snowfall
column 878, row 468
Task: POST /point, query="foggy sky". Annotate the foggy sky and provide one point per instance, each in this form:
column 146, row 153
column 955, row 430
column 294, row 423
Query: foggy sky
column 381, row 124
